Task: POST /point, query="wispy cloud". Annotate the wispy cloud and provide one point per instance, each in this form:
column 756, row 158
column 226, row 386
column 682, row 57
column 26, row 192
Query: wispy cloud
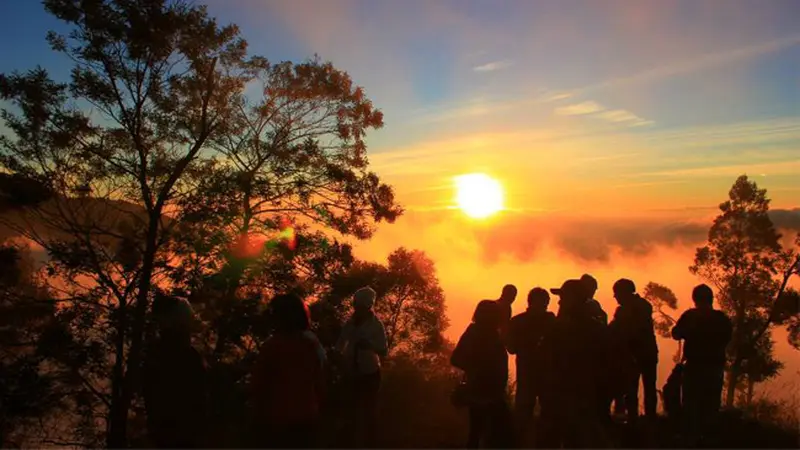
column 596, row 110
column 622, row 116
column 493, row 66
column 580, row 109
column 700, row 63
column 556, row 96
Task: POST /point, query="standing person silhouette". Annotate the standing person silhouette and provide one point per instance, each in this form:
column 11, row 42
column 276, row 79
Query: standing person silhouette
column 706, row 333
column 363, row 344
column 596, row 312
column 175, row 384
column 576, row 354
column 593, row 306
column 507, row 297
column 287, row 383
column 480, row 353
column 526, row 332
column 632, row 328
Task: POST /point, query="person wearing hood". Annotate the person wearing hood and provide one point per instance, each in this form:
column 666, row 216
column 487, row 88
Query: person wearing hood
column 632, row 329
column 363, row 344
column 480, row 353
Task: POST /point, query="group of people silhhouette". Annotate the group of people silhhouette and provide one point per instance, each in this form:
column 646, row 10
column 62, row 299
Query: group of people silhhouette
column 287, row 385
column 575, row 364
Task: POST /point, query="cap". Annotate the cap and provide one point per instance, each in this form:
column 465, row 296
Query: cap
column 364, row 297
column 569, row 288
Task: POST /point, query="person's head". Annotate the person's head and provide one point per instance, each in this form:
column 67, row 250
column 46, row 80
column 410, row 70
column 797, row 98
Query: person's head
column 290, row 313
column 487, row 314
column 538, row 299
column 703, row 296
column 590, row 284
column 174, row 317
column 509, row 293
column 624, row 289
column 572, row 295
column 363, row 300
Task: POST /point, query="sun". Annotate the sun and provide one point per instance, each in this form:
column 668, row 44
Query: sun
column 478, row 195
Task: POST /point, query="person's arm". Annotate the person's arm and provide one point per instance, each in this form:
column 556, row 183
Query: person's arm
column 344, row 337
column 460, row 357
column 727, row 331
column 378, row 339
column 261, row 374
column 679, row 330
column 511, row 339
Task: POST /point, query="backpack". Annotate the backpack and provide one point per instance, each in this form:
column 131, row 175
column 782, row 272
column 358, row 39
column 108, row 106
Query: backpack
column 671, row 393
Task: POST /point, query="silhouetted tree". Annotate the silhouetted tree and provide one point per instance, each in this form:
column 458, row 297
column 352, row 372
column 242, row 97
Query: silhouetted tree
column 162, row 79
column 30, row 391
column 742, row 258
column 661, row 297
column 410, row 302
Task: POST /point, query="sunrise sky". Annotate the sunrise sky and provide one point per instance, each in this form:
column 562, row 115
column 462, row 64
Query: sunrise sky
column 615, row 127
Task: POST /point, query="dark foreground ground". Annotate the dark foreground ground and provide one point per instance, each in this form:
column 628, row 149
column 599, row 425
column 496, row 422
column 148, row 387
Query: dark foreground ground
column 735, row 431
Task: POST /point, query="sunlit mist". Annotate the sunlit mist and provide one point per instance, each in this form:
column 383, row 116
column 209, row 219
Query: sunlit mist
column 478, row 195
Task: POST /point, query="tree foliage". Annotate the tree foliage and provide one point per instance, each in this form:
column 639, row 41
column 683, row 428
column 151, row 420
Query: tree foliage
column 742, row 259
column 153, row 165
column 410, row 302
column 661, row 297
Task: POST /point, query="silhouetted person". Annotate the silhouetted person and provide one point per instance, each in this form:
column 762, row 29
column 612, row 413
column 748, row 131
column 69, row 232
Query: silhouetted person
column 287, row 382
column 480, row 353
column 363, row 344
column 597, row 313
column 593, row 306
column 576, row 351
column 174, row 384
column 526, row 332
column 706, row 333
column 507, row 297
column 632, row 329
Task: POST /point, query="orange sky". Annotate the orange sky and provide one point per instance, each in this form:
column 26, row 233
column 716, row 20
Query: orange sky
column 475, row 258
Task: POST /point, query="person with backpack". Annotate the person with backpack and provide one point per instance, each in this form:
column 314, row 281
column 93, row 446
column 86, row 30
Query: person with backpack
column 362, row 344
column 175, row 387
column 706, row 333
column 480, row 353
column 526, row 332
column 287, row 382
column 633, row 331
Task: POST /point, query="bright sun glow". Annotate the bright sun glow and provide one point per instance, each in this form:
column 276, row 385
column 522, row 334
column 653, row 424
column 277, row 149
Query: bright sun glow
column 478, row 195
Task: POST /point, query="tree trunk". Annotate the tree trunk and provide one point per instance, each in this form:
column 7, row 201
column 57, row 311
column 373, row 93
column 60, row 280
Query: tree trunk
column 118, row 373
column 750, row 385
column 734, row 375
column 118, row 421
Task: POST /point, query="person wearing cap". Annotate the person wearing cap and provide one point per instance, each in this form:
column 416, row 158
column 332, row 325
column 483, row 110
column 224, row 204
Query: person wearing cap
column 480, row 353
column 706, row 333
column 174, row 379
column 575, row 352
column 633, row 331
column 362, row 344
column 287, row 383
column 526, row 332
